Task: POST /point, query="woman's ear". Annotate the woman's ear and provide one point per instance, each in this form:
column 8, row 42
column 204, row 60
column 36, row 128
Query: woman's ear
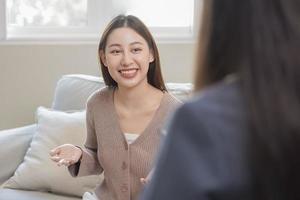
column 151, row 57
column 103, row 58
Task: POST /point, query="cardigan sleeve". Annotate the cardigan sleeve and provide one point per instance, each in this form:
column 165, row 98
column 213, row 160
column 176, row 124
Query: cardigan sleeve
column 88, row 164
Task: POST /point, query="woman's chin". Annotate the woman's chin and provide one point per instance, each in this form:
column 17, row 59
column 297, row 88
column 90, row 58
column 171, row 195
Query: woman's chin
column 131, row 83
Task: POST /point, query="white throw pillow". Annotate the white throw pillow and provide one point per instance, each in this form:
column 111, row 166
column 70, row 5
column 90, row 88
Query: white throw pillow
column 38, row 172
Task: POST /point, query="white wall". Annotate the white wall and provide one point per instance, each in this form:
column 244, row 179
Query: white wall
column 28, row 74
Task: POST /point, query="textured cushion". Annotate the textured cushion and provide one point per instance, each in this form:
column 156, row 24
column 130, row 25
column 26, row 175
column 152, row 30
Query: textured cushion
column 38, row 172
column 10, row 194
column 72, row 91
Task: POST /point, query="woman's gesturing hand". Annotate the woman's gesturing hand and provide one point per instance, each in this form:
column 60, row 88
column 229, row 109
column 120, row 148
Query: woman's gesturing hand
column 66, row 154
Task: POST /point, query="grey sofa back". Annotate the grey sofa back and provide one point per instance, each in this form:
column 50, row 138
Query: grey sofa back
column 73, row 90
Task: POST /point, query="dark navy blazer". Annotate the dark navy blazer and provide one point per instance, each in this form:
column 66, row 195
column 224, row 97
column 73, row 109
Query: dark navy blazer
column 203, row 156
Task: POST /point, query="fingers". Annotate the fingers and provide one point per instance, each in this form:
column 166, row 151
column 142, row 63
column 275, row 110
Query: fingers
column 61, row 161
column 55, row 158
column 55, row 151
column 54, row 154
column 143, row 181
column 65, row 162
column 62, row 155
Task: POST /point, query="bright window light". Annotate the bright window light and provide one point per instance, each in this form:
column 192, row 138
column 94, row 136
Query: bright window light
column 163, row 13
column 57, row 13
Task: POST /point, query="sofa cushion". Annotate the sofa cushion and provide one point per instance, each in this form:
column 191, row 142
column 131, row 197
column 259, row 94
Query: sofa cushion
column 12, row 153
column 38, row 171
column 11, row 194
column 72, row 91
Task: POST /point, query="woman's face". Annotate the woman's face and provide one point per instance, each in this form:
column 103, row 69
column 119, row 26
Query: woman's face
column 127, row 57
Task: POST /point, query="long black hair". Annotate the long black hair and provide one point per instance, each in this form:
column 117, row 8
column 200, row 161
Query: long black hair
column 259, row 40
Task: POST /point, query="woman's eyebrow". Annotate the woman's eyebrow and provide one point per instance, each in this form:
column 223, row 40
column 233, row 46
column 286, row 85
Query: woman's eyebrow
column 112, row 45
column 118, row 45
column 133, row 43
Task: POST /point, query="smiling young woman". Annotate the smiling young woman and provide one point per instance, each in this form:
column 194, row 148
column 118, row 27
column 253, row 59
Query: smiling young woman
column 124, row 120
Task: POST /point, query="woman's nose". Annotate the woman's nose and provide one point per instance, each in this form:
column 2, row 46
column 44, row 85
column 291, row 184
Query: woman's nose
column 126, row 59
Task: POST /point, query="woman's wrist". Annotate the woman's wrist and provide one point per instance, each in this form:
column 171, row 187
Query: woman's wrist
column 81, row 153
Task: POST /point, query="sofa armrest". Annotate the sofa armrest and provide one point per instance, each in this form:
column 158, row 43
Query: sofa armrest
column 13, row 146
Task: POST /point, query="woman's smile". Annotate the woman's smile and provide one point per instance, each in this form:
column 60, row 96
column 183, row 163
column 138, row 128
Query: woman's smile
column 128, row 73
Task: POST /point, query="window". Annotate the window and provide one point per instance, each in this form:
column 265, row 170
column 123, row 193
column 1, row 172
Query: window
column 85, row 19
column 57, row 13
column 168, row 18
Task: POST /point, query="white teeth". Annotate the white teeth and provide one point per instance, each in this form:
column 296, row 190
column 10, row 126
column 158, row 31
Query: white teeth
column 128, row 71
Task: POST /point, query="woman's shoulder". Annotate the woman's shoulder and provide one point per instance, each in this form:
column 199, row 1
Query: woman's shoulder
column 100, row 96
column 172, row 99
column 218, row 112
column 221, row 101
column 218, row 94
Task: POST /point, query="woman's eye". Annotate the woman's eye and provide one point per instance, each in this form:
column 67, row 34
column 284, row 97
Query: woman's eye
column 136, row 50
column 115, row 52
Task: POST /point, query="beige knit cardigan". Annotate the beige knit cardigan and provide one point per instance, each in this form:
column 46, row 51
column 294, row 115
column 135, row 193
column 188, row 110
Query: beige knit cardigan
column 106, row 149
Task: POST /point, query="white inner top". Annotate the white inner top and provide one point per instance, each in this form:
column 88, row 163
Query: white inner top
column 130, row 137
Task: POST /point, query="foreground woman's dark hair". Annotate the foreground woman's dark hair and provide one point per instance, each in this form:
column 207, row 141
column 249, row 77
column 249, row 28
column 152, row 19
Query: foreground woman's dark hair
column 259, row 40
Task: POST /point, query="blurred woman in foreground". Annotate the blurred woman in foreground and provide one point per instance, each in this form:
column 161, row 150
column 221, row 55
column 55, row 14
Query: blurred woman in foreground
column 240, row 137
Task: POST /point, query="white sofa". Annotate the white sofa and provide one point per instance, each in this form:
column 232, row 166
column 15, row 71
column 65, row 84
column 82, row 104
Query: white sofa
column 71, row 94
